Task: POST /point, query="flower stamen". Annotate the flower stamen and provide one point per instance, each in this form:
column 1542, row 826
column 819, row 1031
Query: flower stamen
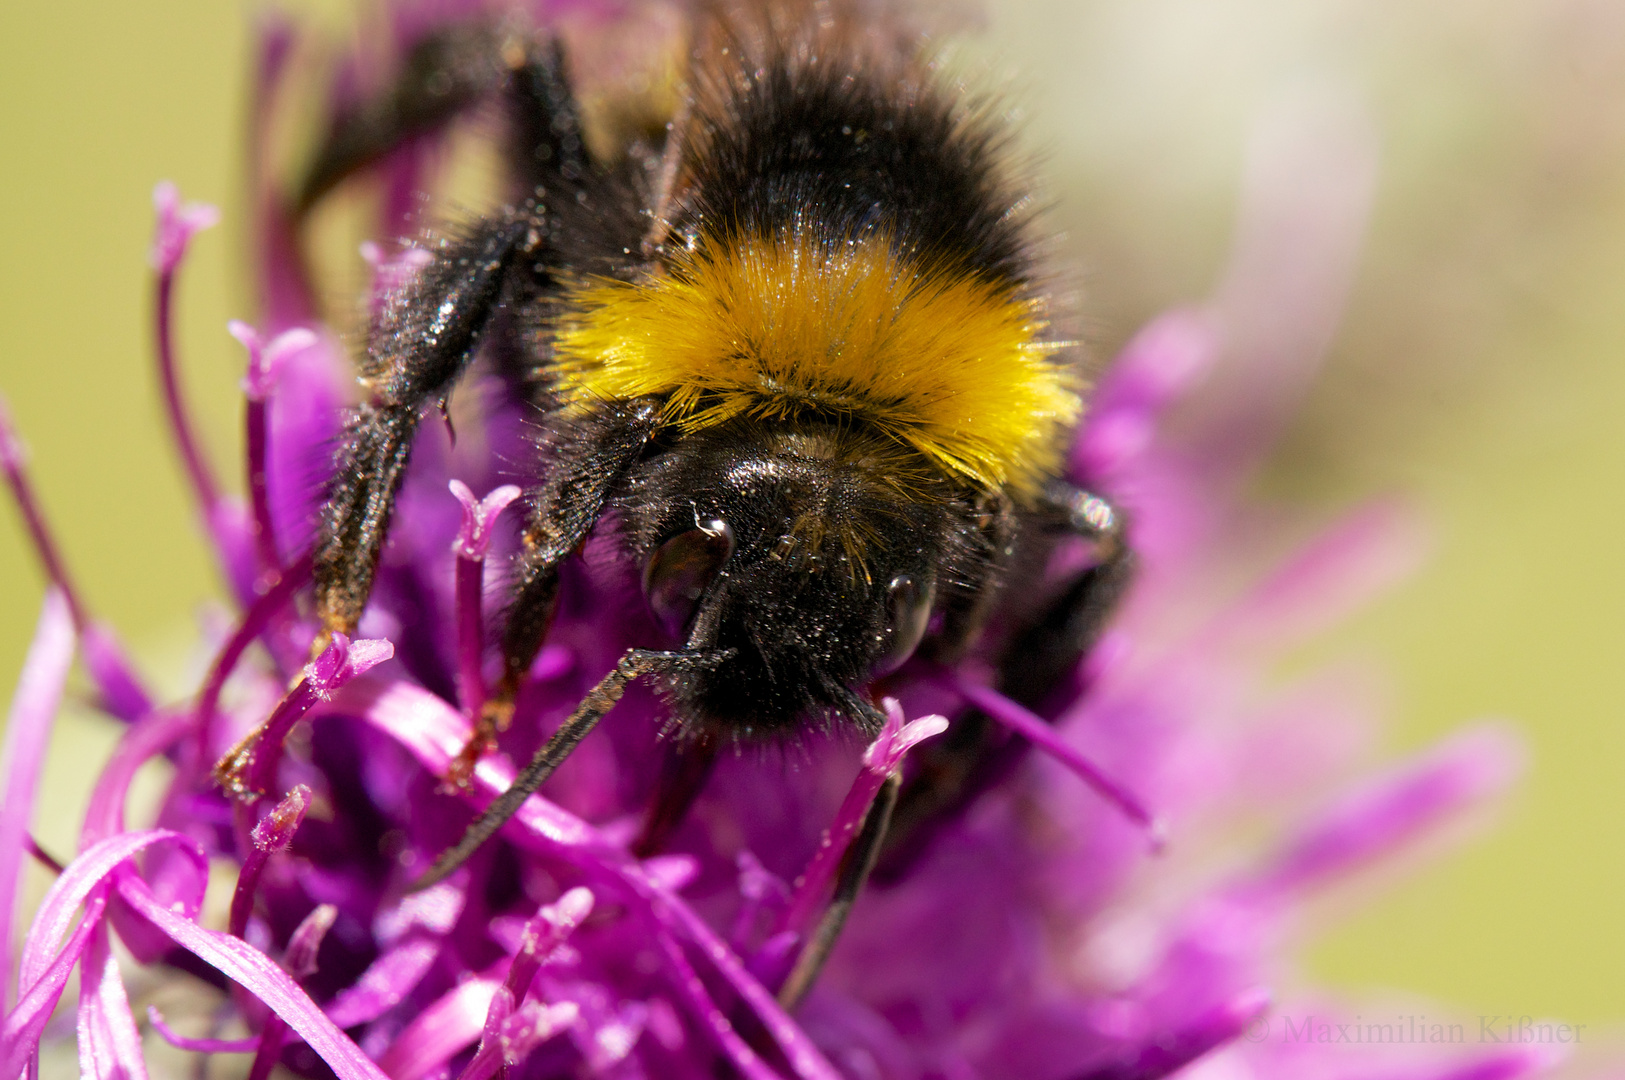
column 248, row 770
column 177, row 223
column 264, row 358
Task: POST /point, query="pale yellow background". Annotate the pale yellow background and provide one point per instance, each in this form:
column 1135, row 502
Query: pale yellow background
column 1481, row 373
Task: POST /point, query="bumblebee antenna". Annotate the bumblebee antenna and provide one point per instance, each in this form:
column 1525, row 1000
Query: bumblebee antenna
column 599, row 700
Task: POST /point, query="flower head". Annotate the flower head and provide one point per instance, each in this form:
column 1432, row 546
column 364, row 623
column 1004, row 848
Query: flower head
column 1036, row 935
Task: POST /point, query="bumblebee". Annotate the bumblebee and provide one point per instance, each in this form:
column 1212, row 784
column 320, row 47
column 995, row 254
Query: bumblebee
column 790, row 345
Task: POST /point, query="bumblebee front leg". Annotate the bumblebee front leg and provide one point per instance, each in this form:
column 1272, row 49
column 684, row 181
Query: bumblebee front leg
column 635, row 664
column 419, row 347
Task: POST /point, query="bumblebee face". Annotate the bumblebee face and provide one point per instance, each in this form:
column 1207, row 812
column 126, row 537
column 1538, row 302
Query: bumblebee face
column 799, row 551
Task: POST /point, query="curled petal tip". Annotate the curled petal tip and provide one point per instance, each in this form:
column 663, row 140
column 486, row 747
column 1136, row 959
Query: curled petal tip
column 898, row 736
column 177, row 223
column 479, row 517
column 917, row 731
column 265, row 357
column 344, row 660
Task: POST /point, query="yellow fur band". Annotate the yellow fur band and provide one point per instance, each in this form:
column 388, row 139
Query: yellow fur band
column 774, row 328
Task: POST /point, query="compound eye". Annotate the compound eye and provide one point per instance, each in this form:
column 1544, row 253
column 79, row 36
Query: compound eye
column 681, row 569
column 908, row 611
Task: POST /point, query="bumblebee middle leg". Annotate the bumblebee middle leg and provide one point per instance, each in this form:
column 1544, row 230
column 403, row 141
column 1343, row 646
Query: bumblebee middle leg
column 636, row 664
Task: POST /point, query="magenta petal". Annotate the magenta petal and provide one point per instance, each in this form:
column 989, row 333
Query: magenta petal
column 711, row 1016
column 104, row 817
column 440, row 1031
column 1464, row 770
column 435, row 732
column 392, row 273
column 880, row 760
column 1329, row 578
column 1307, row 193
column 260, row 976
column 386, row 982
column 265, row 358
column 256, row 621
column 479, row 515
column 1172, row 1051
column 251, row 767
column 304, row 417
column 898, row 737
column 543, row 935
column 344, row 660
column 44, row 968
column 805, row 1058
column 20, row 1034
column 83, row 876
column 490, row 1057
column 109, row 1042
column 272, row 834
column 13, row 461
column 1152, row 371
column 511, row 1040
column 231, row 528
column 28, row 733
column 105, row 661
column 275, row 830
column 1029, row 725
column 1509, row 1064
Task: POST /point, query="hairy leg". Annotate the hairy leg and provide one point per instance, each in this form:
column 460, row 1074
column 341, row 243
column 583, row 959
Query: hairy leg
column 599, row 700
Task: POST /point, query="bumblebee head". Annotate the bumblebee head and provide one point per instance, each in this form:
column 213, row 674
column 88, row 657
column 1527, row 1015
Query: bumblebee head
column 816, row 553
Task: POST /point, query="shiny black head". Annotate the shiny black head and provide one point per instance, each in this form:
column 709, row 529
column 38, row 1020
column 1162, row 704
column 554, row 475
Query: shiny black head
column 816, row 553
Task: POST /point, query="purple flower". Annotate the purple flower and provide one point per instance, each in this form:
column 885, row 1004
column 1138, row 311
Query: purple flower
column 1039, row 937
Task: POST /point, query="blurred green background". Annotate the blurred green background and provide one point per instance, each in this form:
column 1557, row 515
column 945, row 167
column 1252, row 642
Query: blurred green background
column 1478, row 374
